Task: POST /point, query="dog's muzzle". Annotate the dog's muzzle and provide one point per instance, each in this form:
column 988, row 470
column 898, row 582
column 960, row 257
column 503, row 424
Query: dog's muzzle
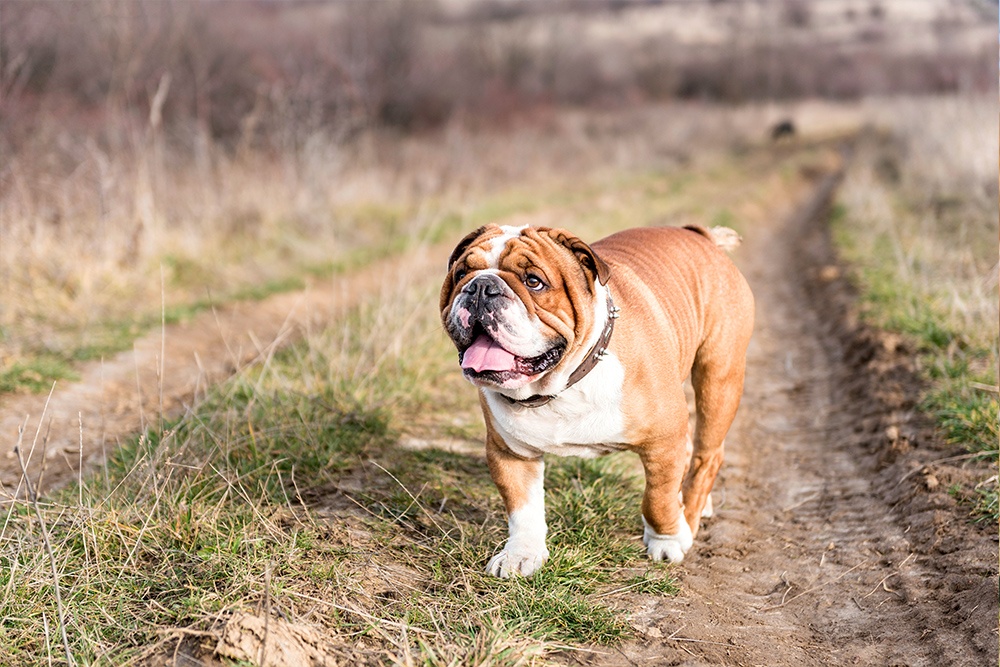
column 479, row 306
column 481, row 321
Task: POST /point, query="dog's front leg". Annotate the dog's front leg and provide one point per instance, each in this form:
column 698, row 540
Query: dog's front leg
column 667, row 535
column 521, row 485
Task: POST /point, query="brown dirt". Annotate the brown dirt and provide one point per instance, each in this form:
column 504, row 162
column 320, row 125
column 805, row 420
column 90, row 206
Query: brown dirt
column 831, row 544
column 834, row 541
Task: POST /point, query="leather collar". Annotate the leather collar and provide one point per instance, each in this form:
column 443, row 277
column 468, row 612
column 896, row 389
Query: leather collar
column 597, row 352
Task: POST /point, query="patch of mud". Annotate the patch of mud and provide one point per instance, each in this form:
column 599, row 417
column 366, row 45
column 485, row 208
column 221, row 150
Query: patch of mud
column 273, row 642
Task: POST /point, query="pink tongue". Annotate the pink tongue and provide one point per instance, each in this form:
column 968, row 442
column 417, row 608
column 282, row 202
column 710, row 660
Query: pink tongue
column 484, row 354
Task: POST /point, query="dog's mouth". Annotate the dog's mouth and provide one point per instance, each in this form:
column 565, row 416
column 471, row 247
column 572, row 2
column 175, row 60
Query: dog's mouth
column 485, row 359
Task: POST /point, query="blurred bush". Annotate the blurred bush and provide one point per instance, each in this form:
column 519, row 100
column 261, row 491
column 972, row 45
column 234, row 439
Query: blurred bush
column 268, row 73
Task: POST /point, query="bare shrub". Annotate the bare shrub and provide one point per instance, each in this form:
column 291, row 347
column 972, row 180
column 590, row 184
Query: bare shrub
column 270, row 73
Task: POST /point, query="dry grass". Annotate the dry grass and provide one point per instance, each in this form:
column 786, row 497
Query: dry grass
column 918, row 220
column 94, row 240
column 922, row 206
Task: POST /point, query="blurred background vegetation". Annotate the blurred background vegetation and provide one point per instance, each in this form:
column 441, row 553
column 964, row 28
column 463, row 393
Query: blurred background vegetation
column 218, row 144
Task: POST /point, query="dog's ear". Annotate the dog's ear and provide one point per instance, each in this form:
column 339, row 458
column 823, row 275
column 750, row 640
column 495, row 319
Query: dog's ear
column 463, row 245
column 584, row 253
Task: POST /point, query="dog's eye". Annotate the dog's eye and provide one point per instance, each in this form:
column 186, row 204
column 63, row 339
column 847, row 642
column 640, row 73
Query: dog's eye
column 461, row 273
column 533, row 282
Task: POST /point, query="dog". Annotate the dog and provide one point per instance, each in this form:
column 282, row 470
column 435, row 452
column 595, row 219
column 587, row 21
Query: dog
column 583, row 350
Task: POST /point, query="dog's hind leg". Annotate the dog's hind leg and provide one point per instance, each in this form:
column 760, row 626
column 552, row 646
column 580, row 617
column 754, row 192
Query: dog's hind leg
column 718, row 386
column 666, row 533
column 709, row 510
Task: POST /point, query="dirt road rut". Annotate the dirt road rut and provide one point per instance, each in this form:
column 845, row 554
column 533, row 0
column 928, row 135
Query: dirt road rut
column 824, row 549
column 167, row 371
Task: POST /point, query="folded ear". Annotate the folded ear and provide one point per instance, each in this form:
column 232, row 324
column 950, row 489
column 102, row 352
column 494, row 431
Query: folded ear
column 584, row 253
column 464, row 244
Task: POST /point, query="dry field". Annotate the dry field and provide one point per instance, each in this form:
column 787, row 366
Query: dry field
column 99, row 256
column 233, row 433
column 329, row 503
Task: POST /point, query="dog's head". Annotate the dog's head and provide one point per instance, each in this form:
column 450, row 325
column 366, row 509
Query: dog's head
column 520, row 303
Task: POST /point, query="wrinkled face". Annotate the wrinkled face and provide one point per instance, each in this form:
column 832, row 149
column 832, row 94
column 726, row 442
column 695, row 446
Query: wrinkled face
column 514, row 302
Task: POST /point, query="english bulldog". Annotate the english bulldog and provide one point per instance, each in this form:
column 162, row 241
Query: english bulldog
column 582, row 350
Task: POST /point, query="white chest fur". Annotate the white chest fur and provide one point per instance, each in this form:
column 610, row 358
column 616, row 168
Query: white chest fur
column 584, row 420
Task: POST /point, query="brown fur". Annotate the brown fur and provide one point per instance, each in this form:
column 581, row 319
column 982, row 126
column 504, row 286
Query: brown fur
column 688, row 311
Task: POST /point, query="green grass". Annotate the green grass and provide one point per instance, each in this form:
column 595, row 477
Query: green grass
column 286, row 472
column 986, row 501
column 183, row 526
column 36, row 374
column 922, row 272
column 966, row 414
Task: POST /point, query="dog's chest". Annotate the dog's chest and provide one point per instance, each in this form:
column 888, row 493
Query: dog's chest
column 585, row 420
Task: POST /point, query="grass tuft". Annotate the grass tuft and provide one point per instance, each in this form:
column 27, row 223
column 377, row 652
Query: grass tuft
column 967, row 416
column 35, row 375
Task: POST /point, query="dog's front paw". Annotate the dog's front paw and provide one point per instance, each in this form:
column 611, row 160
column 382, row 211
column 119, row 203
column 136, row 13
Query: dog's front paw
column 517, row 560
column 667, row 547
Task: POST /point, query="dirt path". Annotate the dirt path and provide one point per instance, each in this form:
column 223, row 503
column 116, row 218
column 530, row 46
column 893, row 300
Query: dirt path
column 167, row 370
column 825, row 550
column 830, row 544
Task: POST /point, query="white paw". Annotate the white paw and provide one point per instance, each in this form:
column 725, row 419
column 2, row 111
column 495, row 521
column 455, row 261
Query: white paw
column 517, row 560
column 667, row 547
column 708, row 510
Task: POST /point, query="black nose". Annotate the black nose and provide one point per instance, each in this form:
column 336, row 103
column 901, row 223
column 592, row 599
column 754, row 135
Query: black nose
column 483, row 288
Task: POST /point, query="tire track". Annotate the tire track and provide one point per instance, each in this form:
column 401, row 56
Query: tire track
column 166, row 371
column 812, row 558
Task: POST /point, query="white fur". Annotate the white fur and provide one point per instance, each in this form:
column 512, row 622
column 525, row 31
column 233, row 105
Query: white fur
column 498, row 243
column 726, row 238
column 667, row 547
column 585, row 419
column 553, row 383
column 525, row 550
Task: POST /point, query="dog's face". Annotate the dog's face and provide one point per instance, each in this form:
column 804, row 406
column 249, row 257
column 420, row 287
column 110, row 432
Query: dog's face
column 518, row 302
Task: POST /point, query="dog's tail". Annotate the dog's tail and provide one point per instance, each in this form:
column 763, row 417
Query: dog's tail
column 723, row 237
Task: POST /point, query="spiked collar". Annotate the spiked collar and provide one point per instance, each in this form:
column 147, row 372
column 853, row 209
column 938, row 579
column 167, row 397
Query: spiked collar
column 597, row 352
